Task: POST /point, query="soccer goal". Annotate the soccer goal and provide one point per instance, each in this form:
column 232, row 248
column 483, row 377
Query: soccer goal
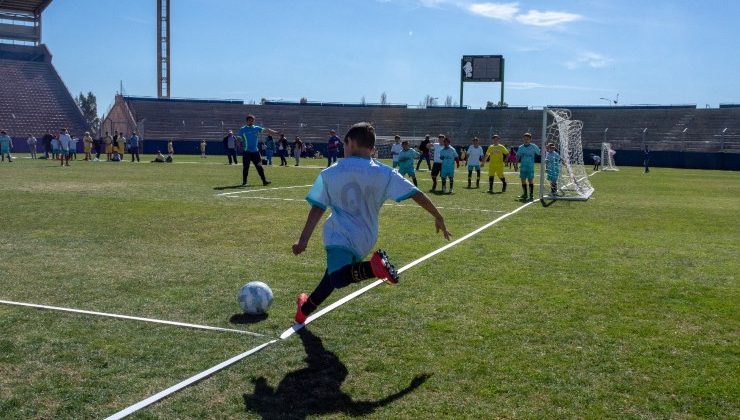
column 562, row 174
column 607, row 157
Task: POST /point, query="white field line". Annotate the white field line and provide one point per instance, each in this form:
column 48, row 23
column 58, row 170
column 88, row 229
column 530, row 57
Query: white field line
column 290, row 331
column 133, row 318
column 300, row 200
column 190, row 381
column 262, row 190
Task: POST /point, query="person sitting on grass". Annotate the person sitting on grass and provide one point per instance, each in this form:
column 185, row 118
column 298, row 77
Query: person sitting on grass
column 158, row 158
column 116, row 156
column 355, row 189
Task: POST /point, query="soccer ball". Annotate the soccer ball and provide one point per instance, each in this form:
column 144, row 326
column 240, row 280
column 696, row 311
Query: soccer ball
column 255, row 297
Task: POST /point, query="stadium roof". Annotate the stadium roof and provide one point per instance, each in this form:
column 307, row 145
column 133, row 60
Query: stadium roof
column 28, row 6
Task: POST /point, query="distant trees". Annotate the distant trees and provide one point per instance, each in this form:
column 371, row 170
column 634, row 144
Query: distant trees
column 362, row 101
column 383, row 99
column 499, row 104
column 88, row 104
column 448, row 100
column 303, row 100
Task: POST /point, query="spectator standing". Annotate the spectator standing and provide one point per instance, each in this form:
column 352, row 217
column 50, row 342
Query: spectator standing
column 170, row 148
column 133, row 147
column 108, row 141
column 121, row 143
column 332, row 148
column 31, row 141
column 250, row 136
column 297, row 150
column 6, row 143
column 230, row 145
column 202, row 149
column 65, row 142
column 269, row 149
column 73, row 148
column 55, row 147
column 46, row 141
column 424, row 152
column 283, row 150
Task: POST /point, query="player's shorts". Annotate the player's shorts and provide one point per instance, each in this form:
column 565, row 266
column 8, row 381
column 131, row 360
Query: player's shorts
column 526, row 171
column 553, row 176
column 108, row 149
column 55, row 150
column 448, row 172
column 65, row 152
column 436, row 168
column 337, row 257
column 88, row 149
column 474, row 168
column 496, row 171
column 407, row 171
column 5, row 150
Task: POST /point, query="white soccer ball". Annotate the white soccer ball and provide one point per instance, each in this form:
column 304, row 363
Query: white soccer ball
column 255, row 298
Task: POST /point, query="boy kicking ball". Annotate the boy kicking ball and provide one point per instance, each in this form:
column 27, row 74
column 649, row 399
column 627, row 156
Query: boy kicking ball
column 355, row 189
column 526, row 154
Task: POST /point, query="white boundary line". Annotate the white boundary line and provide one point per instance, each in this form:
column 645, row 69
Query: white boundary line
column 193, row 379
column 290, row 331
column 261, row 190
column 386, row 204
column 134, row 318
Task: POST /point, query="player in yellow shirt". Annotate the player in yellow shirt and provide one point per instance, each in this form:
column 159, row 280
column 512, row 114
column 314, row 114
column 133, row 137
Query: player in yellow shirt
column 495, row 156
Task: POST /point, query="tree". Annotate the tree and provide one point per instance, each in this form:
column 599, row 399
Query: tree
column 448, row 101
column 383, row 99
column 88, row 104
column 430, row 101
column 263, row 101
column 303, row 100
column 499, row 104
column 362, row 101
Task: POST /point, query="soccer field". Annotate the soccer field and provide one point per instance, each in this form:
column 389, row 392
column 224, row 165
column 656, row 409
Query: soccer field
column 627, row 305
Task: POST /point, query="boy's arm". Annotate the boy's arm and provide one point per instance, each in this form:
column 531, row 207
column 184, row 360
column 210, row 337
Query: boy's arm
column 439, row 223
column 314, row 215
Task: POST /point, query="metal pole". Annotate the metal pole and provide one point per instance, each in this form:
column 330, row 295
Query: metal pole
column 542, row 152
column 683, row 139
column 461, row 83
column 502, row 82
column 722, row 142
column 644, row 134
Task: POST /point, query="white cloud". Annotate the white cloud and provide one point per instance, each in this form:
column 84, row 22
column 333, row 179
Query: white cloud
column 503, row 11
column 537, row 18
column 590, row 59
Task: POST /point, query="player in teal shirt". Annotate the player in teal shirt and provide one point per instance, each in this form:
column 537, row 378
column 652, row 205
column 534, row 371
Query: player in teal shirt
column 552, row 164
column 5, row 145
column 406, row 159
column 448, row 154
column 250, row 137
column 526, row 155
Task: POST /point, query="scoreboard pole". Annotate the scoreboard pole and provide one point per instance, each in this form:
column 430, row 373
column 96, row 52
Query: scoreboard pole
column 462, row 62
column 502, row 81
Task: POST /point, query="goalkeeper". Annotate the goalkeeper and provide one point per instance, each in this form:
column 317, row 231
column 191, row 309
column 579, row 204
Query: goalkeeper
column 526, row 154
column 552, row 162
column 495, row 155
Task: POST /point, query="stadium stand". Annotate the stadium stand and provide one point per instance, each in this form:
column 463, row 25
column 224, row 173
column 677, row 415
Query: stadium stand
column 187, row 121
column 33, row 97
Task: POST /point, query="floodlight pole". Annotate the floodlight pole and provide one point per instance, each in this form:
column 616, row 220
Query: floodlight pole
column 163, row 48
column 644, row 133
column 683, row 139
column 462, row 63
column 722, row 142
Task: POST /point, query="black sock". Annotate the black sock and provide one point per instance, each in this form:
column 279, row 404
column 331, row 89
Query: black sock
column 414, row 179
column 350, row 273
column 524, row 188
column 531, row 189
column 452, row 182
column 444, row 182
column 490, row 183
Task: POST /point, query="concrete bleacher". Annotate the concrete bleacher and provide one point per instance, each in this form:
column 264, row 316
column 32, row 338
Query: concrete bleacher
column 192, row 120
column 33, row 98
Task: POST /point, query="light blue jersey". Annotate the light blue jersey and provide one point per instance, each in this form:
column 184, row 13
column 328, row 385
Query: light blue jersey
column 448, row 155
column 250, row 135
column 552, row 162
column 5, row 142
column 406, row 160
column 526, row 154
column 355, row 189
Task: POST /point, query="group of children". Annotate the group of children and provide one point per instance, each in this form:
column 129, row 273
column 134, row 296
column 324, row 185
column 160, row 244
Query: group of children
column 496, row 155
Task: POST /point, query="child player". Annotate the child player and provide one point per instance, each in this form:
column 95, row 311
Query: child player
column 448, row 155
column 526, row 154
column 355, row 189
column 406, row 159
column 474, row 157
column 436, row 161
column 396, row 149
column 552, row 163
column 495, row 155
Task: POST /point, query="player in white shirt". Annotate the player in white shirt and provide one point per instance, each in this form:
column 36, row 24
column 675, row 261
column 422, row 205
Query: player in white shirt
column 65, row 141
column 31, row 141
column 437, row 165
column 474, row 156
column 395, row 150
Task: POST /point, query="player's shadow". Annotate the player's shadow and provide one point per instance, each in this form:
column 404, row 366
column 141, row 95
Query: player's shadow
column 228, row 187
column 244, row 318
column 316, row 389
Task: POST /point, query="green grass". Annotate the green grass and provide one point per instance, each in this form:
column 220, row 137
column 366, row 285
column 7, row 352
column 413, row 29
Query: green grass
column 627, row 305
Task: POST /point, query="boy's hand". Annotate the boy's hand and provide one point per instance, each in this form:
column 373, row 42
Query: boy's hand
column 299, row 247
column 439, row 224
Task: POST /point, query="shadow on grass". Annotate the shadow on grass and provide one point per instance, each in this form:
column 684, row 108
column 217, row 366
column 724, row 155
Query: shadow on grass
column 228, row 187
column 316, row 389
column 247, row 318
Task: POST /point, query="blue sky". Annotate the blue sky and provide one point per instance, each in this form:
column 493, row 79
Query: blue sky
column 557, row 52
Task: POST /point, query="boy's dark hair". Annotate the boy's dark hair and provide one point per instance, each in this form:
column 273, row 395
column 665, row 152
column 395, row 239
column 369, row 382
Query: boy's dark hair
column 397, row 137
column 404, row 142
column 363, row 133
column 250, row 116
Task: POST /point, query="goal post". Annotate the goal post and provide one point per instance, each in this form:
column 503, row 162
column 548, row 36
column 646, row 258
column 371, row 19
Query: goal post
column 607, row 157
column 562, row 173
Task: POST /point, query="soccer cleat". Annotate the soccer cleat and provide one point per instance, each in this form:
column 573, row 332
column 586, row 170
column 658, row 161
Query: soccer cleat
column 503, row 189
column 266, row 182
column 382, row 267
column 468, row 184
column 490, row 191
column 444, row 190
column 300, row 318
column 450, row 190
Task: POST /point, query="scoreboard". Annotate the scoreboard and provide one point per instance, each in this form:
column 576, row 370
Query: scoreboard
column 482, row 68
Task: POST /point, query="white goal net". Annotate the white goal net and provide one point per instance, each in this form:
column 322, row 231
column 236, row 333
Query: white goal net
column 607, row 157
column 563, row 175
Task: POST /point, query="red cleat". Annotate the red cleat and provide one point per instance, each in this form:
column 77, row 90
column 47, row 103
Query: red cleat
column 300, row 318
column 382, row 267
